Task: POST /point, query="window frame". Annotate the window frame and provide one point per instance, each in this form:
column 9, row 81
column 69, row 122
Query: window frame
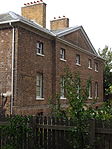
column 78, row 60
column 90, row 63
column 40, row 48
column 39, row 84
column 62, row 54
column 90, row 91
column 96, row 66
column 96, row 90
column 62, row 89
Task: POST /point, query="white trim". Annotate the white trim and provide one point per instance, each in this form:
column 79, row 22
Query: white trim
column 68, row 31
column 65, row 32
column 3, row 22
column 63, row 98
column 96, row 70
column 78, row 64
column 40, row 54
column 90, row 68
column 90, row 97
column 64, row 60
column 78, row 48
column 37, row 98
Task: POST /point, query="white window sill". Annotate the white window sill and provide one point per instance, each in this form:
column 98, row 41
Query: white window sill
column 90, row 98
column 89, row 67
column 40, row 54
column 62, row 98
column 64, row 60
column 78, row 64
column 96, row 70
column 37, row 98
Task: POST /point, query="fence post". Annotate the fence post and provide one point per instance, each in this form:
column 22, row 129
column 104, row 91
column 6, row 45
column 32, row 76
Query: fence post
column 92, row 134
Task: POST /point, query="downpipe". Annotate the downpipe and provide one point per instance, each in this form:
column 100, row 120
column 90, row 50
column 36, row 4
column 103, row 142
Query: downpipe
column 12, row 77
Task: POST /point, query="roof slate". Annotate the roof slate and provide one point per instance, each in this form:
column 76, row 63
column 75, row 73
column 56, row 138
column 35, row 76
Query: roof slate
column 62, row 32
column 13, row 17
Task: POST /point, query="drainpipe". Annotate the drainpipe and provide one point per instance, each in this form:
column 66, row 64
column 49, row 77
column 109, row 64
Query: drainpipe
column 12, row 78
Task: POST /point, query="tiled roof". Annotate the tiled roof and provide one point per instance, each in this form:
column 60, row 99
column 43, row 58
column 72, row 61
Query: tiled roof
column 60, row 33
column 65, row 31
column 13, row 17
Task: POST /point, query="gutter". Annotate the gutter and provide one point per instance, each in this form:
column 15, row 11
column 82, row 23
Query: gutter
column 12, row 78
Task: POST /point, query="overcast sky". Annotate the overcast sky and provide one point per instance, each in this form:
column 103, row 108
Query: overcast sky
column 94, row 15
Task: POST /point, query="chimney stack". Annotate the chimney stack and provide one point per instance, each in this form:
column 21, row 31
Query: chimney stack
column 59, row 23
column 35, row 11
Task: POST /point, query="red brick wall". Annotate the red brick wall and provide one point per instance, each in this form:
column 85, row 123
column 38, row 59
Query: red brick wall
column 78, row 39
column 5, row 59
column 28, row 65
column 85, row 72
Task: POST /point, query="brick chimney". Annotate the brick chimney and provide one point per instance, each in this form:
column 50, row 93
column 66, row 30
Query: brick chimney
column 35, row 11
column 59, row 23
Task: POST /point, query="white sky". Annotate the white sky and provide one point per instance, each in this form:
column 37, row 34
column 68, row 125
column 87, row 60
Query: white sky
column 94, row 15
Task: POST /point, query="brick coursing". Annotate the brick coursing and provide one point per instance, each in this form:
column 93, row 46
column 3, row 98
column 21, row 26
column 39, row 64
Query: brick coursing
column 59, row 23
column 27, row 64
column 5, row 59
column 35, row 13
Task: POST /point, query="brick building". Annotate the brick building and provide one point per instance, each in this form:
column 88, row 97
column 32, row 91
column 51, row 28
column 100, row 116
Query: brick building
column 33, row 59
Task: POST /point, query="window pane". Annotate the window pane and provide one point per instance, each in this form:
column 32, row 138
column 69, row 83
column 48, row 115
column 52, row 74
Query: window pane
column 37, row 45
column 39, row 86
column 62, row 53
column 90, row 63
column 62, row 88
column 77, row 59
column 40, row 47
column 96, row 90
column 96, row 66
column 90, row 90
column 38, row 92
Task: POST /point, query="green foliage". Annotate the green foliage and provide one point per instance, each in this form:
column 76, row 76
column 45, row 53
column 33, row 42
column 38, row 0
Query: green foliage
column 78, row 110
column 9, row 147
column 106, row 53
column 104, row 112
column 15, row 132
column 77, row 96
column 56, row 108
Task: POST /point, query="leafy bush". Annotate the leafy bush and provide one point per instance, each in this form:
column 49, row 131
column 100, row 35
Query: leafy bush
column 16, row 132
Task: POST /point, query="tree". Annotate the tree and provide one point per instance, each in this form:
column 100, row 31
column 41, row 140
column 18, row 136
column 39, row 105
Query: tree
column 78, row 112
column 106, row 53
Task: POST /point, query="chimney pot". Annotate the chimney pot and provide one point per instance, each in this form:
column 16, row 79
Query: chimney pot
column 25, row 4
column 59, row 23
column 31, row 2
column 34, row 1
column 28, row 3
column 54, row 17
column 41, row 0
column 37, row 1
column 64, row 16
